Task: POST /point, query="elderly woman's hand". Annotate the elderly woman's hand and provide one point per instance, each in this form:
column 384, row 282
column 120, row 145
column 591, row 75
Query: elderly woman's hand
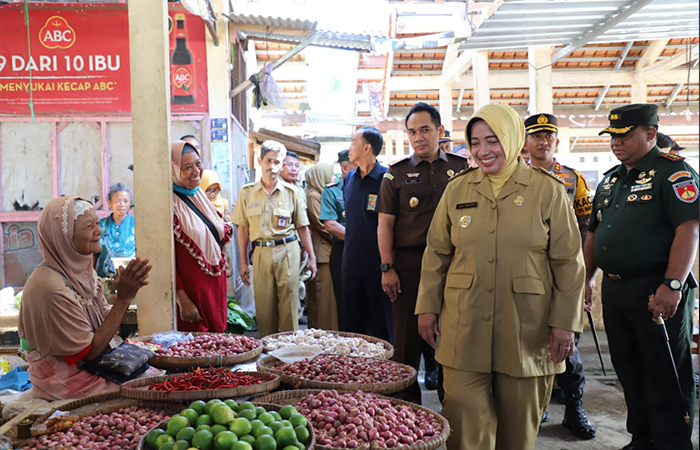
column 561, row 345
column 130, row 279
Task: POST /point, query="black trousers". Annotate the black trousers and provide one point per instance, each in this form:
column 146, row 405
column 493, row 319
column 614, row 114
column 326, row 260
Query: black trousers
column 638, row 350
column 573, row 378
column 336, row 266
column 367, row 308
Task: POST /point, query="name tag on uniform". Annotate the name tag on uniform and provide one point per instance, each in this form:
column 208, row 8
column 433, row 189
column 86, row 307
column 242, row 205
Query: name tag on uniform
column 466, row 205
column 604, row 193
column 372, row 202
column 281, row 222
column 412, row 180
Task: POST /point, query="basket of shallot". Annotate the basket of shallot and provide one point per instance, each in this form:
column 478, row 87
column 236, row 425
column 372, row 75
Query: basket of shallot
column 342, row 372
column 331, row 342
column 205, row 350
column 364, row 420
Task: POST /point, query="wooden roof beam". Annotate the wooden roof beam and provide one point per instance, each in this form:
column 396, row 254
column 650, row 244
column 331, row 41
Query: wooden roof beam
column 668, row 64
column 652, row 53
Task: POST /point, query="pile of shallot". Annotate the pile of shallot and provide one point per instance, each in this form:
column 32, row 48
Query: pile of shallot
column 329, row 343
column 346, row 369
column 210, row 345
column 354, row 419
column 120, row 430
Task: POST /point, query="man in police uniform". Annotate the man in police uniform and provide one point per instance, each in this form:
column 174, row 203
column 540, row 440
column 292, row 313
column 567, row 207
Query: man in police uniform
column 541, row 142
column 445, row 141
column 410, row 192
column 643, row 234
column 367, row 307
column 333, row 217
column 268, row 212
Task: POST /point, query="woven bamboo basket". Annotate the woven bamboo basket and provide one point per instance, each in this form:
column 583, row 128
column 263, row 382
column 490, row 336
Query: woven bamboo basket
column 175, row 363
column 268, row 364
column 106, row 404
column 138, row 389
column 388, row 348
column 294, row 397
column 267, row 406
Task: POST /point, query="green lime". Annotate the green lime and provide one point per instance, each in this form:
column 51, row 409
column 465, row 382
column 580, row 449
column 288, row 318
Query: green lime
column 247, row 438
column 240, row 426
column 211, row 403
column 255, row 424
column 221, row 414
column 247, row 413
column 181, row 445
column 204, row 419
column 191, row 415
column 276, row 426
column 287, row 411
column 203, row 427
column 167, row 446
column 300, row 446
column 185, row 434
column 266, row 418
column 203, row 440
column 242, row 445
column 265, row 442
column 298, row 420
column 176, row 423
column 153, row 435
column 198, row 405
column 163, row 439
column 286, row 424
column 224, row 440
column 263, row 430
column 286, row 436
column 302, row 434
column 259, row 410
column 276, row 415
column 216, row 429
column 246, row 405
column 291, row 447
column 232, row 404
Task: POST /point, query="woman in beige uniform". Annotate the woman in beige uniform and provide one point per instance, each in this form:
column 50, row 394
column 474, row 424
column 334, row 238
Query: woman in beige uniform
column 502, row 286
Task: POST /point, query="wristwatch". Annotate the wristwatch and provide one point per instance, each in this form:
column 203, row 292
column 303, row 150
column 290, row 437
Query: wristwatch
column 673, row 284
column 384, row 267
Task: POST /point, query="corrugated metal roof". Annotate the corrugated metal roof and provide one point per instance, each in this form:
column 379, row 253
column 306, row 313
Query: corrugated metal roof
column 267, row 21
column 523, row 23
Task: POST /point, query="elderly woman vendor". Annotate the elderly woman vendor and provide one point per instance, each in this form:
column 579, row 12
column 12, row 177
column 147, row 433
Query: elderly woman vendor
column 64, row 316
column 503, row 273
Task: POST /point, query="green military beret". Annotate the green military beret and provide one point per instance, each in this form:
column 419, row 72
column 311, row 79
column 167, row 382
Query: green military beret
column 626, row 118
column 343, row 155
column 541, row 122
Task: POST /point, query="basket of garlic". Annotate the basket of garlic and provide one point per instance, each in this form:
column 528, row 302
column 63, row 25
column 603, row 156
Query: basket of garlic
column 331, row 342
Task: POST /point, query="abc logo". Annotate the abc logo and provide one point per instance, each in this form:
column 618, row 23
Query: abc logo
column 56, row 33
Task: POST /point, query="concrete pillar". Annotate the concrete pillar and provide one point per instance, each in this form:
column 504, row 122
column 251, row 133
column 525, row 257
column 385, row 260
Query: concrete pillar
column 480, row 67
column 639, row 91
column 446, row 105
column 153, row 193
column 540, row 71
column 400, row 137
column 389, row 145
column 564, row 136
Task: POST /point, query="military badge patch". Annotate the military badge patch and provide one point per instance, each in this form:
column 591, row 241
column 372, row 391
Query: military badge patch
column 678, row 175
column 372, row 202
column 686, row 191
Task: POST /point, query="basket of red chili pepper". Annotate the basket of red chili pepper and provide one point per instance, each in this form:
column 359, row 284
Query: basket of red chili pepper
column 200, row 384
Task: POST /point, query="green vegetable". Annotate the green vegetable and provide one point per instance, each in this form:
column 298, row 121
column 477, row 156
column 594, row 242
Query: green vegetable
column 237, row 317
column 18, row 299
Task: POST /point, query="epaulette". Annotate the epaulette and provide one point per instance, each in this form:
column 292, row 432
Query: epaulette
column 251, row 184
column 671, row 157
column 548, row 173
column 291, row 186
column 612, row 169
column 332, row 184
column 462, row 172
column 398, row 161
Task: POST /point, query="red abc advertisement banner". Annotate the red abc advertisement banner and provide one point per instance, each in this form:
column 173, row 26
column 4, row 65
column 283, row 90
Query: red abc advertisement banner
column 78, row 56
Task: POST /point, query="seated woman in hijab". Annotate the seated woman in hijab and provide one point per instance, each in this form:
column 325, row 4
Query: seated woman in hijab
column 200, row 235
column 212, row 188
column 64, row 316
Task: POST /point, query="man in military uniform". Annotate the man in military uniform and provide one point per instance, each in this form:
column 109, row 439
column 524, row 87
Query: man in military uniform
column 643, row 234
column 410, row 192
column 267, row 212
column 333, row 217
column 367, row 307
column 541, row 142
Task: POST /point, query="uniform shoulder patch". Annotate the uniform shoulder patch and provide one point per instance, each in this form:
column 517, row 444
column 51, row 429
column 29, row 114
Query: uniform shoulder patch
column 671, row 157
column 388, row 176
column 548, row 173
column 399, row 161
column 463, row 172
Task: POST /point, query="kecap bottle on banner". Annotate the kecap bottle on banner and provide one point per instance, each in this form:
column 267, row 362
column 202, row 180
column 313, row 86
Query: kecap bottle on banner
column 181, row 67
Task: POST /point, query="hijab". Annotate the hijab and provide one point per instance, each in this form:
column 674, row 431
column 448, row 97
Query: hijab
column 510, row 131
column 318, row 176
column 210, row 178
column 190, row 230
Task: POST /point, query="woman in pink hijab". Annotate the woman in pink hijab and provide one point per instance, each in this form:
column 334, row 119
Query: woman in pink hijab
column 64, row 317
column 200, row 234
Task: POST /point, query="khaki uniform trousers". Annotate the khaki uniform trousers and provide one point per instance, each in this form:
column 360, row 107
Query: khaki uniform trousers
column 276, row 284
column 488, row 411
column 323, row 310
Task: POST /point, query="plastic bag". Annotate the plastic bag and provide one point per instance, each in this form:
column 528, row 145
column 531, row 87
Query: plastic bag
column 169, row 338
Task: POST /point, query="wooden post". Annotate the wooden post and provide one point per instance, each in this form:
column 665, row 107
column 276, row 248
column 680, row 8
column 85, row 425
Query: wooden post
column 153, row 193
column 639, row 91
column 541, row 96
column 481, row 79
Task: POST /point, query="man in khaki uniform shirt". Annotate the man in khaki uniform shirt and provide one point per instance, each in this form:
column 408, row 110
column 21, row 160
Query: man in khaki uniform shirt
column 267, row 213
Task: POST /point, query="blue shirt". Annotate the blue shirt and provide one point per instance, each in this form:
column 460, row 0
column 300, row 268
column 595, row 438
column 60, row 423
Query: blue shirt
column 119, row 239
column 361, row 218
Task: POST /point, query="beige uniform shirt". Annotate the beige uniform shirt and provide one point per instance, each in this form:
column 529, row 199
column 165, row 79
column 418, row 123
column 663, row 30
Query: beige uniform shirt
column 501, row 272
column 270, row 217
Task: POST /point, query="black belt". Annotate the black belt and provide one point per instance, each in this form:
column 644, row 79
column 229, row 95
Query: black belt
column 275, row 242
column 656, row 269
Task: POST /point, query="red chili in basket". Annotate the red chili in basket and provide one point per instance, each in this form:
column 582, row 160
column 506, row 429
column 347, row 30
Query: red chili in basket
column 205, row 378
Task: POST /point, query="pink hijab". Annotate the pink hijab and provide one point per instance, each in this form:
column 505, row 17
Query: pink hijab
column 190, row 230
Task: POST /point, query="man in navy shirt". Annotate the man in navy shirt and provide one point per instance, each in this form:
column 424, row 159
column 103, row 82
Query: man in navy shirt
column 367, row 307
